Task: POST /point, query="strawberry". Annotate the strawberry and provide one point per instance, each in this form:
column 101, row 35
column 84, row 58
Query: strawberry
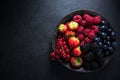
column 73, row 25
column 76, row 62
column 81, row 37
column 69, row 34
column 73, row 42
column 76, row 51
column 97, row 20
column 77, row 18
column 80, row 29
column 62, row 28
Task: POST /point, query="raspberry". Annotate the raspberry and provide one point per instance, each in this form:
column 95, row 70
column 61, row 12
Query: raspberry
column 95, row 28
column 97, row 20
column 82, row 43
column 86, row 31
column 80, row 29
column 89, row 21
column 82, row 23
column 77, row 18
column 81, row 37
column 87, row 40
column 86, row 15
column 91, row 35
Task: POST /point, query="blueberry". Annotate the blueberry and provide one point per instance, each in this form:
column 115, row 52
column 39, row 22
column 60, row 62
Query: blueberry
column 104, row 22
column 103, row 28
column 105, row 47
column 110, row 49
column 97, row 39
column 114, row 44
column 100, row 44
column 113, row 36
column 109, row 31
column 103, row 35
column 105, row 41
column 108, row 38
column 108, row 43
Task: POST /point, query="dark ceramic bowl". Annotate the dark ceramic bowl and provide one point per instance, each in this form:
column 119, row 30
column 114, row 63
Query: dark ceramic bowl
column 64, row 20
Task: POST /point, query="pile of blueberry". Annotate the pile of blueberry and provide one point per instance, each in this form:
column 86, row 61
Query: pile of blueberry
column 103, row 47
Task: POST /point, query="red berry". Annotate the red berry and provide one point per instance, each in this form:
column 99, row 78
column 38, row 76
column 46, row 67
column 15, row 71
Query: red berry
column 57, row 56
column 65, row 47
column 83, row 23
column 86, row 15
column 97, row 20
column 89, row 21
column 91, row 35
column 80, row 29
column 77, row 18
column 64, row 43
column 67, row 51
column 96, row 30
column 87, row 40
column 67, row 57
column 81, row 37
column 64, row 55
column 82, row 43
column 86, row 31
column 52, row 54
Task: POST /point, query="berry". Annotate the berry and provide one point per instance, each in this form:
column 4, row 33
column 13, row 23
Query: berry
column 73, row 25
column 76, row 62
column 62, row 28
column 105, row 47
column 103, row 35
column 83, row 23
column 67, row 51
column 114, row 44
column 81, row 37
column 76, row 51
column 94, row 65
column 109, row 30
column 73, row 42
column 77, row 18
column 82, row 43
column 86, row 31
column 95, row 48
column 85, row 48
column 100, row 44
column 80, row 29
column 113, row 36
column 87, row 40
column 88, row 56
column 110, row 49
column 69, row 34
column 86, row 15
column 91, row 35
column 103, row 28
column 89, row 21
column 97, row 20
column 104, row 22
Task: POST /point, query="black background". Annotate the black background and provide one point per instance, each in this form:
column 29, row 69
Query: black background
column 26, row 31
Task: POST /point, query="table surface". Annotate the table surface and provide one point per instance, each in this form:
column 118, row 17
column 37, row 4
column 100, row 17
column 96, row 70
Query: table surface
column 26, row 31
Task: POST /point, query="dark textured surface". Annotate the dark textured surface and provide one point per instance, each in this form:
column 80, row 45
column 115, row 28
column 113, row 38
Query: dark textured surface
column 26, row 31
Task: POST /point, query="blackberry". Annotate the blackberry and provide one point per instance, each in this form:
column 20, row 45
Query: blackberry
column 95, row 48
column 85, row 48
column 86, row 65
column 99, row 58
column 94, row 65
column 89, row 56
